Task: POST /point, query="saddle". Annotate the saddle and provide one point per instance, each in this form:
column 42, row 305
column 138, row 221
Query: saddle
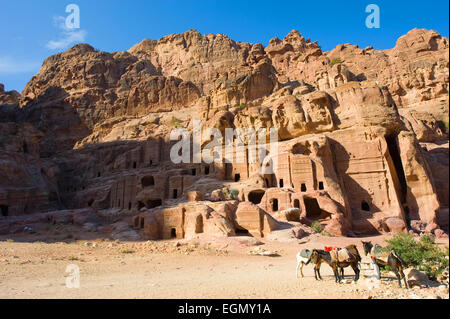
column 378, row 252
column 305, row 253
column 341, row 255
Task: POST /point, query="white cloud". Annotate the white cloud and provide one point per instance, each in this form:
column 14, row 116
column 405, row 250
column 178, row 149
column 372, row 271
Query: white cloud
column 68, row 36
column 11, row 66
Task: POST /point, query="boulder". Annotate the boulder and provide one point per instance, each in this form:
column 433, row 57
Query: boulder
column 395, row 225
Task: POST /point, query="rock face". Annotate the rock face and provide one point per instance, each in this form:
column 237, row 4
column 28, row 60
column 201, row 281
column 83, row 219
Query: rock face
column 363, row 135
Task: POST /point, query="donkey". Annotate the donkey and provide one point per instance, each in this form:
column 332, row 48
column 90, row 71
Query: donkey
column 303, row 258
column 319, row 256
column 386, row 258
column 355, row 259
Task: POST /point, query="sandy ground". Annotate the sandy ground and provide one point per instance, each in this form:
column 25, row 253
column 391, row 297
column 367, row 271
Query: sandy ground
column 181, row 269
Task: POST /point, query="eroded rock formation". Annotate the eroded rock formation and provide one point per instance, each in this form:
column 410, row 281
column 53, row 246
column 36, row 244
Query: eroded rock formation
column 363, row 136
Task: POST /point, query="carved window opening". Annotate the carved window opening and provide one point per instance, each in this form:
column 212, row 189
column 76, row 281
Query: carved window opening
column 275, row 205
column 4, row 210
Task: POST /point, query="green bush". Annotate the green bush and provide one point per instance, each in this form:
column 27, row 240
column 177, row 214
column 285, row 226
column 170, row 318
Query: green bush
column 317, row 227
column 423, row 255
column 335, row 61
column 234, row 192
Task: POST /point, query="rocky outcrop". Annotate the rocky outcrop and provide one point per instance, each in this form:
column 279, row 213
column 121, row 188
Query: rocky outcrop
column 363, row 135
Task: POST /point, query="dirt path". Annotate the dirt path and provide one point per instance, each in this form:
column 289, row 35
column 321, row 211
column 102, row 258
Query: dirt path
column 171, row 270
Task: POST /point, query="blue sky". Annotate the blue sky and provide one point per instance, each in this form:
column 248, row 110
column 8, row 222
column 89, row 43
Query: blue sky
column 28, row 27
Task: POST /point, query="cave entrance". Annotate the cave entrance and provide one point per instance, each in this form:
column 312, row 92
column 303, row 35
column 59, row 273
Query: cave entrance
column 140, row 205
column 148, row 181
column 175, row 193
column 142, row 222
column 256, row 196
column 394, row 152
column 4, row 210
column 242, row 232
column 296, row 203
column 365, row 206
column 312, row 207
column 154, row 203
column 173, row 233
column 281, row 183
column 237, row 177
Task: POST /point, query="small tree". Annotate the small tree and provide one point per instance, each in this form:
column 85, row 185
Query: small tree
column 424, row 255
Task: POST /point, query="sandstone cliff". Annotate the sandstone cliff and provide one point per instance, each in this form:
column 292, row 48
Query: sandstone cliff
column 367, row 127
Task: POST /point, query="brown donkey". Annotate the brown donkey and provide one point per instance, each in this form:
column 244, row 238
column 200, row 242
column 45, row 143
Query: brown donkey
column 319, row 256
column 386, row 258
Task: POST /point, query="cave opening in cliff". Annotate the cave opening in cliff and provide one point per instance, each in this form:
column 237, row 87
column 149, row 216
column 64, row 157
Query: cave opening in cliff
column 321, row 186
column 365, row 206
column 303, row 188
column 129, row 206
column 207, row 170
column 154, row 203
column 25, row 148
column 193, row 172
column 173, row 233
column 242, row 232
column 256, row 196
column 312, row 207
column 142, row 222
column 281, row 183
column 237, row 177
column 140, row 205
column 134, row 164
column 90, row 202
column 175, row 193
column 394, row 152
column 275, row 205
column 296, row 203
column 4, row 210
column 148, row 181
